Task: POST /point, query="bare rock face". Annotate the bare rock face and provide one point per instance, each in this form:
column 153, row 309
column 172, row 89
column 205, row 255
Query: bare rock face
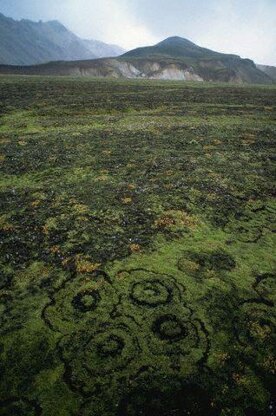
column 154, row 70
column 126, row 69
column 122, row 69
column 173, row 72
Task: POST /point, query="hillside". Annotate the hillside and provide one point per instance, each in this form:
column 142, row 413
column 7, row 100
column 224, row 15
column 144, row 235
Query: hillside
column 175, row 47
column 26, row 43
column 174, row 58
column 205, row 63
column 269, row 70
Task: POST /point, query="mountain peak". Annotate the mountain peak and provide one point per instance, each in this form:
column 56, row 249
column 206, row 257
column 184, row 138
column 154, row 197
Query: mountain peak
column 173, row 47
column 176, row 41
column 57, row 26
column 176, row 47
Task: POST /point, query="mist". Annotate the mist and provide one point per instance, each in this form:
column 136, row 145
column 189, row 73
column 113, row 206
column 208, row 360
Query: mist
column 242, row 27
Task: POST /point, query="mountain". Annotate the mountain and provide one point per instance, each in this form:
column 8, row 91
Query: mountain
column 269, row 70
column 26, row 43
column 174, row 58
column 101, row 49
column 186, row 59
column 175, row 47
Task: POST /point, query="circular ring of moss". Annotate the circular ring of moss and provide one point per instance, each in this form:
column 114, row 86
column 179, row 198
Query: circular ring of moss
column 169, row 328
column 265, row 287
column 150, row 293
column 110, row 346
column 79, row 302
column 148, row 289
column 179, row 335
column 110, row 349
column 104, row 355
column 255, row 326
column 86, row 300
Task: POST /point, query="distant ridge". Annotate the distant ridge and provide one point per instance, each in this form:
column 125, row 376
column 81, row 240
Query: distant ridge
column 26, row 42
column 174, row 58
column 268, row 70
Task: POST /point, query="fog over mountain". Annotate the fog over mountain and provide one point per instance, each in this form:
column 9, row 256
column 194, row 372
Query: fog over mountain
column 243, row 27
column 269, row 70
column 26, row 42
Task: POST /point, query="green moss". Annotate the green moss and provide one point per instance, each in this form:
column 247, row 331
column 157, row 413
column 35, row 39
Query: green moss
column 137, row 267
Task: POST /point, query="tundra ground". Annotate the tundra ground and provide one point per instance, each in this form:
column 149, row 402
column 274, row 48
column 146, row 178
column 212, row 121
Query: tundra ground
column 136, row 233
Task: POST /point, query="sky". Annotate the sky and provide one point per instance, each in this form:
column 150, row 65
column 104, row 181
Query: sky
column 243, row 27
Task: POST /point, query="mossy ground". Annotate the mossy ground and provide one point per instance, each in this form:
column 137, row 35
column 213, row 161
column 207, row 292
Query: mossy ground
column 136, row 232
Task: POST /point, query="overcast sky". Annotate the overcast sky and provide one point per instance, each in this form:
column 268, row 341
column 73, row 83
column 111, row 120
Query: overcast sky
column 245, row 27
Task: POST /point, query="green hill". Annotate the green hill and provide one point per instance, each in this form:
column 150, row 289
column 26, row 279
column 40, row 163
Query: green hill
column 176, row 47
column 207, row 64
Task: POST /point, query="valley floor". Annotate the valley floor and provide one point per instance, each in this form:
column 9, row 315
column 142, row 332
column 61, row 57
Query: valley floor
column 136, row 237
